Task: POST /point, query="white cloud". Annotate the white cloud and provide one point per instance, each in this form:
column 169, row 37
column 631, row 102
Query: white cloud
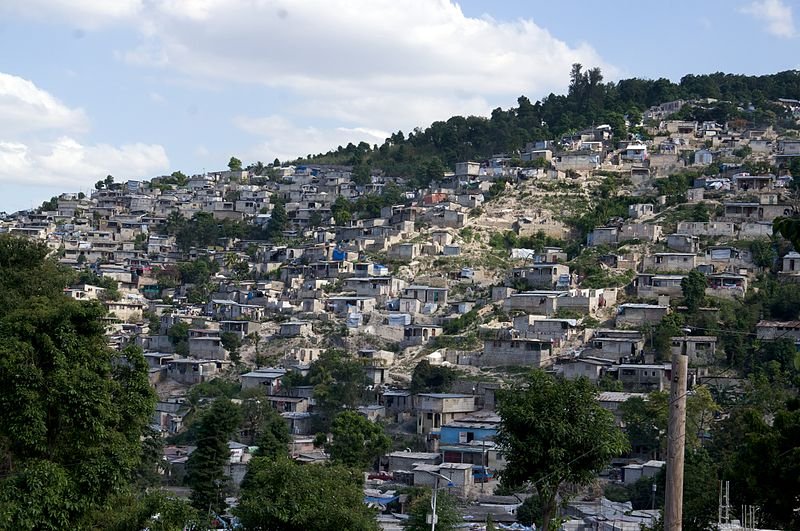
column 156, row 97
column 378, row 65
column 369, row 65
column 777, row 16
column 35, row 151
column 24, row 107
column 84, row 13
column 286, row 140
column 66, row 162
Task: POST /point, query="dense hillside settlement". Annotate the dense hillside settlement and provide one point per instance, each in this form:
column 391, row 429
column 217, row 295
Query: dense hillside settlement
column 361, row 322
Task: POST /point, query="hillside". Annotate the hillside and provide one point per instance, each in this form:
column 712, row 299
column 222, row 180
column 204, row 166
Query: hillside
column 426, row 154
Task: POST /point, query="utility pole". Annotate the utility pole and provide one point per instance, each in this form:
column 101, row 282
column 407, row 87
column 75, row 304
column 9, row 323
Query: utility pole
column 676, row 441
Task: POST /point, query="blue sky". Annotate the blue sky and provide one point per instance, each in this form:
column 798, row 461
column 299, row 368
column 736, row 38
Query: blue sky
column 138, row 88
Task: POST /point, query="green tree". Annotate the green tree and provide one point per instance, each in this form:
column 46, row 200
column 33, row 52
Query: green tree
column 644, row 424
column 553, row 431
column 693, row 287
column 764, row 254
column 447, row 512
column 153, row 510
column 763, row 463
column 235, row 164
column 338, row 382
column 213, row 388
column 26, row 273
column 608, row 383
column 278, row 220
column 700, row 212
column 315, row 220
column 180, row 178
column 670, row 326
column 50, row 205
column 428, row 378
column 231, row 343
column 357, row 442
column 530, row 511
column 341, row 211
column 700, row 490
column 74, row 410
column 646, row 419
column 178, row 335
column 361, row 174
column 282, row 494
column 263, row 426
column 205, row 465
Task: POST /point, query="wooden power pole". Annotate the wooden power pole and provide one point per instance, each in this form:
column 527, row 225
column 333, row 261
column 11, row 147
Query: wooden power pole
column 676, row 441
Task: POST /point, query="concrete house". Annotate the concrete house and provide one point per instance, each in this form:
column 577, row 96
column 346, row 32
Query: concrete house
column 398, row 403
column 578, row 161
column 376, row 364
column 240, row 328
column 192, row 371
column 741, row 211
column 749, row 183
column 407, row 461
column 426, row 294
column 126, row 310
column 639, row 231
column 651, row 286
column 379, row 287
column 635, row 152
column 615, row 347
column 644, row 378
column 558, row 331
column 727, row 285
column 344, row 304
column 517, row 351
column 639, row 210
column 295, row 329
column 633, row 472
column 774, row 330
column 588, row 367
column 544, row 276
column 434, row 410
column 612, row 400
column 85, row 292
column 634, row 315
column 603, row 236
column 669, row 262
column 791, row 264
column 702, row 350
column 206, row 344
column 420, row 334
column 268, row 379
column 405, row 251
column 683, row 243
column 707, row 228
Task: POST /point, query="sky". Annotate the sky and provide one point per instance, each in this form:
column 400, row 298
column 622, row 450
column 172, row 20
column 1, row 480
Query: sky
column 140, row 88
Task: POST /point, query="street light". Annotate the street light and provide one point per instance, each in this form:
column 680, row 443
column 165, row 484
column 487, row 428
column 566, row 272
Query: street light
column 436, row 476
